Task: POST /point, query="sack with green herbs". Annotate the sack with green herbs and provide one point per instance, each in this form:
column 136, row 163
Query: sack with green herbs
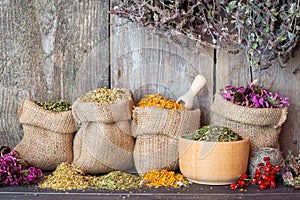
column 48, row 133
column 157, row 130
column 103, row 142
column 252, row 112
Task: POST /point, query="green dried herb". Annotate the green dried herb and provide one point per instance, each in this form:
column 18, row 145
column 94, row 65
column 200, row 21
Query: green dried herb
column 118, row 180
column 214, row 134
column 104, row 95
column 56, row 106
column 267, row 30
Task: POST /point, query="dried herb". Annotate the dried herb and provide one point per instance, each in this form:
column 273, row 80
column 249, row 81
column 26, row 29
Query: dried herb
column 291, row 172
column 267, row 30
column 164, row 177
column 56, row 106
column 253, row 96
column 14, row 170
column 214, row 134
column 67, row 177
column 160, row 101
column 118, row 180
column 104, row 95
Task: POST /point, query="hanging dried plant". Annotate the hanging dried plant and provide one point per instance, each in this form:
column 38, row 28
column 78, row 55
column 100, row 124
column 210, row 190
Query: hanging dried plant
column 267, row 30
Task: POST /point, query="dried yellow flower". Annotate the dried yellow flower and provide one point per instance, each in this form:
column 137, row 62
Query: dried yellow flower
column 67, row 177
column 104, row 95
column 160, row 101
column 164, row 177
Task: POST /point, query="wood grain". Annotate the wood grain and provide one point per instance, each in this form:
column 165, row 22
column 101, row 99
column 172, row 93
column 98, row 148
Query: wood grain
column 62, row 49
column 147, row 63
column 49, row 50
column 286, row 81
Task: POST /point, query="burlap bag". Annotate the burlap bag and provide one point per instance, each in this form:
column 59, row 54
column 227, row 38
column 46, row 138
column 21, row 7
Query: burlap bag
column 48, row 136
column 85, row 112
column 101, row 148
column 103, row 142
column 157, row 131
column 261, row 125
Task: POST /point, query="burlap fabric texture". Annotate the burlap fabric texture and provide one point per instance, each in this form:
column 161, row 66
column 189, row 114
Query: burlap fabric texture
column 48, row 136
column 157, row 131
column 261, row 125
column 103, row 142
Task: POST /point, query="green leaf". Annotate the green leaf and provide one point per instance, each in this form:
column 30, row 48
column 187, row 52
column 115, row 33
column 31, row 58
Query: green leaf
column 268, row 3
column 254, row 46
column 232, row 5
column 293, row 8
column 281, row 38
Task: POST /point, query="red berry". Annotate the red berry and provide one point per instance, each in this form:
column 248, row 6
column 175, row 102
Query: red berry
column 277, row 168
column 244, row 176
column 263, row 186
column 266, row 158
column 254, row 181
column 272, row 184
column 257, row 175
column 241, row 183
column 272, row 172
column 260, row 164
column 272, row 178
column 259, row 182
column 267, row 169
column 268, row 164
column 265, row 177
column 267, row 182
column 233, row 186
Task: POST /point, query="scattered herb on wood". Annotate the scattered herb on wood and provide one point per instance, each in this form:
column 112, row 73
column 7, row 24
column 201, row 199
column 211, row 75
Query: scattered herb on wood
column 291, row 171
column 56, row 106
column 104, row 95
column 14, row 170
column 214, row 134
column 160, row 101
column 118, row 180
column 164, row 177
column 67, row 177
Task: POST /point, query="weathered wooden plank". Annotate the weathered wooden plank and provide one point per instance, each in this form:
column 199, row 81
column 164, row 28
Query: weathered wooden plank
column 287, row 82
column 20, row 75
column 194, row 191
column 231, row 68
column 147, row 63
column 49, row 50
column 82, row 46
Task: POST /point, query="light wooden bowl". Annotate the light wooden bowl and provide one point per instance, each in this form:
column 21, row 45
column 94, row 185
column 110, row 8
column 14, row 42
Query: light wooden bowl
column 213, row 163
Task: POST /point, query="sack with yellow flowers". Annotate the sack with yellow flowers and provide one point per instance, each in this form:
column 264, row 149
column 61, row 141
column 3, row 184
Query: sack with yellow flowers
column 157, row 125
column 49, row 130
column 103, row 142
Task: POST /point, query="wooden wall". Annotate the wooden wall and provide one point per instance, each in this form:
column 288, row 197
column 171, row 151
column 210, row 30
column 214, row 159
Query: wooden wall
column 57, row 49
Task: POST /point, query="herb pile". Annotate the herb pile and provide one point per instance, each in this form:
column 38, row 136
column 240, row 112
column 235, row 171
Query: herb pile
column 104, row 95
column 160, row 101
column 164, row 177
column 118, row 180
column 56, row 106
column 16, row 171
column 291, row 171
column 67, row 177
column 254, row 97
column 267, row 30
column 214, row 134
